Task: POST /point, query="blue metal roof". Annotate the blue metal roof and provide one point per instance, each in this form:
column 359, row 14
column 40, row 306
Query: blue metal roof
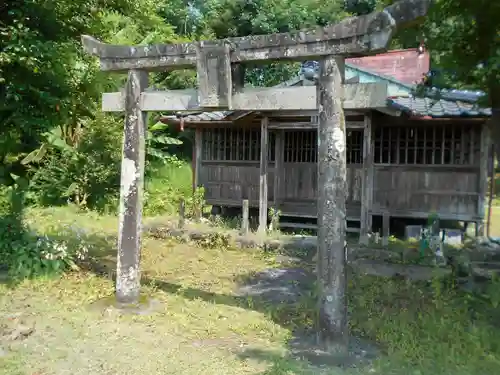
column 438, row 107
column 310, row 70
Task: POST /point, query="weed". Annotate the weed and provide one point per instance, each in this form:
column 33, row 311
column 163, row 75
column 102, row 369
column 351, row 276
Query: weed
column 217, row 221
column 424, row 328
column 274, row 214
column 215, row 240
column 196, row 203
column 165, row 188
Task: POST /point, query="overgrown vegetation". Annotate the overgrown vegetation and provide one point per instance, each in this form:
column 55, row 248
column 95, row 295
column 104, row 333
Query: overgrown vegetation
column 59, row 185
column 203, row 325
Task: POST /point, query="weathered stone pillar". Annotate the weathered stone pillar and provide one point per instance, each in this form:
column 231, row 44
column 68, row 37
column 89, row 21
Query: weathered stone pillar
column 332, row 311
column 131, row 191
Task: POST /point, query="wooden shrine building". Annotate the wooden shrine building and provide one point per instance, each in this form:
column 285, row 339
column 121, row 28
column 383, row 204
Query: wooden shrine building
column 407, row 157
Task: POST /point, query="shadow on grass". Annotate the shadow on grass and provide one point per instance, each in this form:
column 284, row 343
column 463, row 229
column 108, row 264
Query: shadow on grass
column 285, row 295
column 404, row 316
column 279, row 365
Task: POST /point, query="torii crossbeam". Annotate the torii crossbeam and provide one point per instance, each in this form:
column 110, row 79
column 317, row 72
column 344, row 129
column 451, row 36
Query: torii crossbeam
column 354, row 36
column 220, row 76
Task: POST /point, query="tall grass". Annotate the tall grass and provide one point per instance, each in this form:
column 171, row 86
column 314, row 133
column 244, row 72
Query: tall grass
column 165, row 187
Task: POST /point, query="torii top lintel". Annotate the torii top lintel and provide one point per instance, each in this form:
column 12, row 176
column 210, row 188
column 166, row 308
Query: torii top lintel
column 354, row 36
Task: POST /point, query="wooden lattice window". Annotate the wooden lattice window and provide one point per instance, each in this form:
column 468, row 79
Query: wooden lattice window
column 439, row 144
column 354, row 146
column 234, row 144
column 301, row 146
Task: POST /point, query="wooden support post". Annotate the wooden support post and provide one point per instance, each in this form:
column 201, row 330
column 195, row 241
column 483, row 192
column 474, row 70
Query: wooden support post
column 245, row 223
column 483, row 178
column 491, row 190
column 263, row 175
column 182, row 213
column 386, row 228
column 332, row 309
column 367, row 187
column 197, row 157
column 131, row 191
column 278, row 167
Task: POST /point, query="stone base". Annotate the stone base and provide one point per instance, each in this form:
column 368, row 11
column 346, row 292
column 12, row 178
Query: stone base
column 359, row 352
column 110, row 306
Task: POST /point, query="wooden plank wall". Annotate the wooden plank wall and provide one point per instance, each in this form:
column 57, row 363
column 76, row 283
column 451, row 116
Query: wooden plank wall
column 419, row 167
column 231, row 183
column 427, row 166
column 417, row 191
column 300, row 182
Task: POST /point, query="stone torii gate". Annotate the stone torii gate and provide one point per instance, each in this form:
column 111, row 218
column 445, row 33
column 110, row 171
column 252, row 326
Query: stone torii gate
column 220, row 73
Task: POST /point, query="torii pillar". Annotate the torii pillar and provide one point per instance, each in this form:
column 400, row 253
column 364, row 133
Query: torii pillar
column 214, row 61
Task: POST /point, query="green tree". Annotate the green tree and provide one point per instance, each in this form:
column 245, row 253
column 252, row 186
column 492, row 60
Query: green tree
column 466, row 46
column 40, row 71
column 360, row 7
column 232, row 18
column 463, row 37
column 50, row 92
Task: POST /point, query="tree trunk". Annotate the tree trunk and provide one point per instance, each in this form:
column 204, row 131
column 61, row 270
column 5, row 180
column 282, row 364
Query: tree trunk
column 131, row 191
column 332, row 309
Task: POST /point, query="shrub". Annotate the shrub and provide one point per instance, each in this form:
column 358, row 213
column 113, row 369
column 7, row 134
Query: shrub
column 30, row 255
column 87, row 171
column 87, row 174
column 166, row 187
column 24, row 253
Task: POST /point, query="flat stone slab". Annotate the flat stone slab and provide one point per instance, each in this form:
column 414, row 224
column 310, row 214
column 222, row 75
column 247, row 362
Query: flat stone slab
column 289, row 285
column 284, row 259
column 453, row 237
column 109, row 306
column 406, row 271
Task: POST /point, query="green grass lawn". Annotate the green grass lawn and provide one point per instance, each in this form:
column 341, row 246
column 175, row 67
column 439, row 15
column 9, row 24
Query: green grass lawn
column 201, row 327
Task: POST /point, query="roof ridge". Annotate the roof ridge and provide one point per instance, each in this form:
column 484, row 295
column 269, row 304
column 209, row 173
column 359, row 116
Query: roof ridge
column 437, row 107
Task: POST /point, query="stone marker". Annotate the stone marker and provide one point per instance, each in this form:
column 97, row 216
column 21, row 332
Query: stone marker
column 453, row 237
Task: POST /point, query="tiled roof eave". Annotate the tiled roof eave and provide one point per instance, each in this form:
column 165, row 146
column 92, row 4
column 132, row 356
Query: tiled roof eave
column 432, row 108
